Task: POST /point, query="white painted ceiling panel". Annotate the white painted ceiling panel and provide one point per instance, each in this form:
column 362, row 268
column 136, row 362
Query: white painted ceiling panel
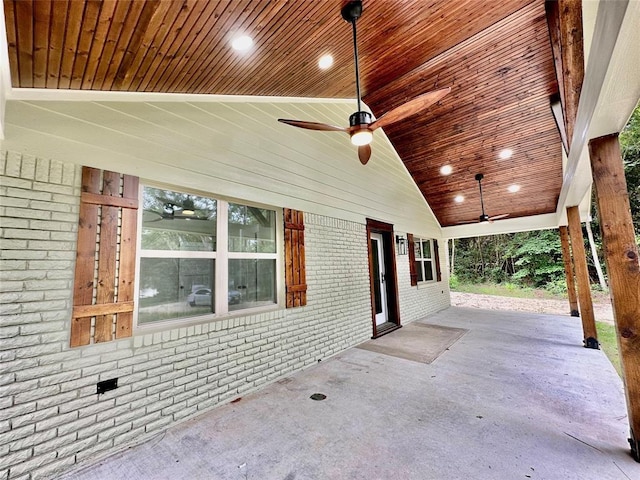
column 237, row 150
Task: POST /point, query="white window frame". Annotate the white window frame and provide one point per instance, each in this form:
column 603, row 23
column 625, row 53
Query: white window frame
column 221, row 256
column 422, row 259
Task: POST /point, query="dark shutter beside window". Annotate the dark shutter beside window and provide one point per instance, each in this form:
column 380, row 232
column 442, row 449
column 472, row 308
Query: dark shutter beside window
column 436, row 255
column 295, row 273
column 105, row 257
column 412, row 260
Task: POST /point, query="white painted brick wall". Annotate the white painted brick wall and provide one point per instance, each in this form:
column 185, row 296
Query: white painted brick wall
column 50, row 416
column 420, row 301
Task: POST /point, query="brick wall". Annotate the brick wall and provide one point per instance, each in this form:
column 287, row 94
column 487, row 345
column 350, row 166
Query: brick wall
column 50, row 416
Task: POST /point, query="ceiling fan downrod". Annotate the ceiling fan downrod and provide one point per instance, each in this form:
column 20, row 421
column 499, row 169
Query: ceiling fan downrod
column 358, row 121
column 351, row 12
column 484, row 217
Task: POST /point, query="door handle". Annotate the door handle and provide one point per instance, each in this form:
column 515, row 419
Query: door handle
column 382, row 278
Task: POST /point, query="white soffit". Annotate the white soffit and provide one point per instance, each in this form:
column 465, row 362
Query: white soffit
column 621, row 88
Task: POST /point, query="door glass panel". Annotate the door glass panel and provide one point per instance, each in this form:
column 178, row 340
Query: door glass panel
column 376, row 276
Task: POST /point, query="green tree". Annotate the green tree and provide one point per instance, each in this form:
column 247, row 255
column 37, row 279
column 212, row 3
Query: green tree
column 630, row 149
column 539, row 258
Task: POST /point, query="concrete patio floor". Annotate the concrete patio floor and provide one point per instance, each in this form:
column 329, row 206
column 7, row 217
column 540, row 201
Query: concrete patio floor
column 516, row 397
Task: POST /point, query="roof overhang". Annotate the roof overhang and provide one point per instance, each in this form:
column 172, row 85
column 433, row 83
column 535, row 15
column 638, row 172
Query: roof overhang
column 610, row 92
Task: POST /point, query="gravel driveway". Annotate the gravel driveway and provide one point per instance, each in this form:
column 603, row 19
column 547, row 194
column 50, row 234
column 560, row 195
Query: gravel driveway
column 602, row 309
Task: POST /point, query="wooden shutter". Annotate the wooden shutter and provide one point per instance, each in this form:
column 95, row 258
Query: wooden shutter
column 412, row 260
column 295, row 273
column 105, row 257
column 436, row 255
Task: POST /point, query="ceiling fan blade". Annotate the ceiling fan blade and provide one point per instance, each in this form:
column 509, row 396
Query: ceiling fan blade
column 498, row 217
column 364, row 153
column 467, row 222
column 313, row 125
column 410, row 108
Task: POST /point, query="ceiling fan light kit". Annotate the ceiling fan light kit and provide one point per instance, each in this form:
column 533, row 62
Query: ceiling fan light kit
column 361, row 123
column 359, row 131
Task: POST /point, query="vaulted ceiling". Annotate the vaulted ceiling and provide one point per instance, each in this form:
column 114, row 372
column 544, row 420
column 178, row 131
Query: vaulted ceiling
column 495, row 56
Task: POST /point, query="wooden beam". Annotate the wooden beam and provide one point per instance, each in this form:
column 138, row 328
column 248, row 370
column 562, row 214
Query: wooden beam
column 568, row 271
column 623, row 267
column 564, row 18
column 552, row 8
column 582, row 278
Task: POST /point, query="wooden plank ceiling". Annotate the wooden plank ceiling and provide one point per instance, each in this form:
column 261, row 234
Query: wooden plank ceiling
column 496, row 57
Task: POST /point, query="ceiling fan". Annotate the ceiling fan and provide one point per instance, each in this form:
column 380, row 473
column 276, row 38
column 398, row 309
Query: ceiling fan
column 361, row 124
column 484, row 218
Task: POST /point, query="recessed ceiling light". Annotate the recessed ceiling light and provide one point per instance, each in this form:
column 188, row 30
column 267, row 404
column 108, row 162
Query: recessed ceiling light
column 325, row 61
column 458, row 199
column 242, row 43
column 505, row 154
column 446, row 169
column 514, row 188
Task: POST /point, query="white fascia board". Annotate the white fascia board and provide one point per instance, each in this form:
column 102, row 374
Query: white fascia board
column 522, row 224
column 35, row 94
column 609, row 22
column 5, row 71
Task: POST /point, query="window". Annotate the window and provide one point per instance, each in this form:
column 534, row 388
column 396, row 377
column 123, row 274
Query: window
column 203, row 256
column 252, row 256
column 424, row 259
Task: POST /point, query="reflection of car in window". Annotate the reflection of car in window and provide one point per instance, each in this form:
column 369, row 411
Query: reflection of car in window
column 203, row 297
column 200, row 297
column 234, row 297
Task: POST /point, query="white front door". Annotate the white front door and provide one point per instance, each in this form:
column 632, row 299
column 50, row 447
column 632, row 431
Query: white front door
column 378, row 273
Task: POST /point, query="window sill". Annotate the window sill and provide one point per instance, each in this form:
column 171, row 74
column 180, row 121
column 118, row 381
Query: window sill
column 213, row 319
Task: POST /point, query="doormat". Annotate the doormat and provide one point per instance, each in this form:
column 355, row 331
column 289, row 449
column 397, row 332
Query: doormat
column 418, row 342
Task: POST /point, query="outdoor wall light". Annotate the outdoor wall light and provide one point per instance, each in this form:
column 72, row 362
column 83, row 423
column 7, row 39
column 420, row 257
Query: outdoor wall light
column 401, row 242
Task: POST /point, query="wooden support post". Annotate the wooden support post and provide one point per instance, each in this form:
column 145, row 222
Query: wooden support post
column 623, row 267
column 564, row 18
column 582, row 279
column 568, row 271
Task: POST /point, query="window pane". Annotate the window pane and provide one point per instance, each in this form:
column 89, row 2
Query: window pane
column 251, row 229
column 252, row 283
column 426, row 248
column 428, row 270
column 416, row 248
column 175, row 288
column 418, row 265
column 178, row 221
